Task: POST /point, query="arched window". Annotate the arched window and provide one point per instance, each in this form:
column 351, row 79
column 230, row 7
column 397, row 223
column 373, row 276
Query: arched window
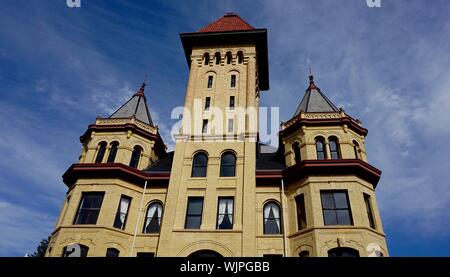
column 303, row 254
column 356, row 149
column 206, row 58
column 217, row 58
column 113, row 152
column 296, row 149
column 112, row 252
column 205, row 254
column 320, row 148
column 199, row 165
column 72, row 250
column 334, row 148
column 153, row 218
column 101, row 152
column 228, row 165
column 272, row 218
column 343, row 252
column 240, row 57
column 228, row 57
column 135, row 156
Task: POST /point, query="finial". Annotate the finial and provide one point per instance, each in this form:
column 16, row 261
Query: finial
column 142, row 88
column 311, row 80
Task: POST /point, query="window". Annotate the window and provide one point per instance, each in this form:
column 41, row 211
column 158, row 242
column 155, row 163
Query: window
column 272, row 255
column 70, row 251
column 145, row 254
column 113, row 152
column 296, row 149
column 343, row 252
column 207, row 103
column 194, row 213
column 210, row 81
column 356, row 149
column 122, row 212
column 303, row 254
column 89, row 208
column 320, row 148
column 231, row 102
column 205, row 126
column 301, row 211
column 233, row 81
column 112, row 252
column 217, row 58
column 225, row 213
column 240, row 57
column 228, row 165
column 228, row 57
column 230, row 125
column 135, row 156
column 369, row 210
column 153, row 218
column 272, row 222
column 334, row 148
column 336, row 208
column 199, row 165
column 101, row 152
column 206, row 58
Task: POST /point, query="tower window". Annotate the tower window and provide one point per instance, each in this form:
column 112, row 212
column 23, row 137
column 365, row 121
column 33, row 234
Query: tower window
column 153, row 218
column 206, row 58
column 217, row 58
column 71, row 251
column 230, row 125
column 228, row 57
column 89, row 208
column 113, row 152
column 356, row 149
column 369, row 210
column 112, row 252
column 122, row 212
column 233, row 81
column 231, row 102
column 194, row 213
column 101, row 152
column 240, row 57
column 207, row 103
column 320, row 148
column 304, row 254
column 336, row 208
column 334, row 148
column 272, row 218
column 199, row 165
column 296, row 149
column 210, row 81
column 301, row 211
column 228, row 165
column 343, row 252
column 135, row 156
column 205, row 126
column 225, row 213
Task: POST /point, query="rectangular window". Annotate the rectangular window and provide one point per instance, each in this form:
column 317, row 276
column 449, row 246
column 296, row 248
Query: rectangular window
column 207, row 103
column 233, row 81
column 336, row 208
column 301, row 211
column 210, row 81
column 145, row 254
column 194, row 213
column 122, row 212
column 89, row 208
column 225, row 213
column 230, row 125
column 231, row 102
column 369, row 210
column 205, row 126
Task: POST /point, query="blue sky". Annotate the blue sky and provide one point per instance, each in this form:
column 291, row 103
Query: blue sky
column 390, row 67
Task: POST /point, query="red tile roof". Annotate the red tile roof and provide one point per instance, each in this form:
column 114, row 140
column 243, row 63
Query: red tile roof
column 228, row 22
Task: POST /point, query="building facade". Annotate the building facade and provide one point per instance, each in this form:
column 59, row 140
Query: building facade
column 221, row 192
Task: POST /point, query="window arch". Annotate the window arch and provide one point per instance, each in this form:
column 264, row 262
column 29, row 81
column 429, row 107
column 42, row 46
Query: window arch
column 135, row 156
column 217, row 58
column 334, row 148
column 296, row 150
column 272, row 218
column 240, row 57
column 101, row 152
column 153, row 218
column 343, row 252
column 356, row 149
column 206, row 58
column 70, row 251
column 320, row 148
column 199, row 165
column 228, row 57
column 303, row 254
column 112, row 252
column 113, row 152
column 228, row 164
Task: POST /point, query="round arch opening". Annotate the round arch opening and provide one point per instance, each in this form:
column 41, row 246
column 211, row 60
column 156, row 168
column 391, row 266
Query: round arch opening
column 205, row 254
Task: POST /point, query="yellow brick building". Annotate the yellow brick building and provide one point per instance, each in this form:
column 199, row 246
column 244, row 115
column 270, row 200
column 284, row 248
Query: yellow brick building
column 221, row 192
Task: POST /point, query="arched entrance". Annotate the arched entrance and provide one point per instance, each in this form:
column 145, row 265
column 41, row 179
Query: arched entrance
column 205, row 254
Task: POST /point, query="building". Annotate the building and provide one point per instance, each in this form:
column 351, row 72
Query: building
column 221, row 193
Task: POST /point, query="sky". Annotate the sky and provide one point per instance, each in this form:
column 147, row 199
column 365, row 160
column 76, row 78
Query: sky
column 62, row 67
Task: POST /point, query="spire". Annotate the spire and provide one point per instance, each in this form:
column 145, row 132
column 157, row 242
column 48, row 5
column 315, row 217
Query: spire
column 135, row 107
column 314, row 100
column 229, row 22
